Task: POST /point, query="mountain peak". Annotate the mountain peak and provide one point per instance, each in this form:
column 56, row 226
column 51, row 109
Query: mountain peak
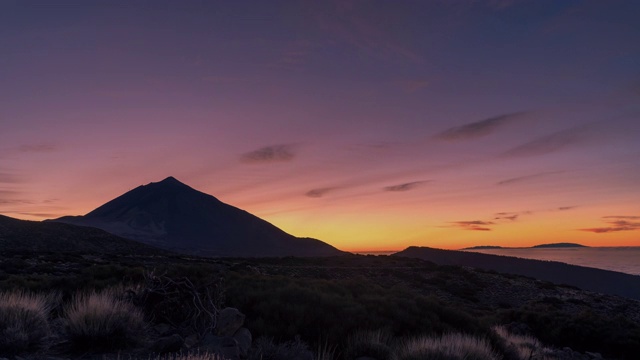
column 170, row 214
column 171, row 181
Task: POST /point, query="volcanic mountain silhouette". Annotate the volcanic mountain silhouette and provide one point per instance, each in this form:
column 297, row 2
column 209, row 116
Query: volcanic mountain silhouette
column 171, row 215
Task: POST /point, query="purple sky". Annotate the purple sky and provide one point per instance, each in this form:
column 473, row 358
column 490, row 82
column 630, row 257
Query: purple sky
column 368, row 124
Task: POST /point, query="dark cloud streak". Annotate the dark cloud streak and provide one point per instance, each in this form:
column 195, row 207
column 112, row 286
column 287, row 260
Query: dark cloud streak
column 526, row 178
column 475, row 225
column 479, row 128
column 270, row 154
column 616, row 223
column 404, row 187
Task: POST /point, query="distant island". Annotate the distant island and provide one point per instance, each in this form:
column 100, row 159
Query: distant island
column 541, row 246
column 560, row 245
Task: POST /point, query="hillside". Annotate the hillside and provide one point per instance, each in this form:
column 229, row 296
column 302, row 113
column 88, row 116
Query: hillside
column 37, row 237
column 607, row 282
column 171, row 215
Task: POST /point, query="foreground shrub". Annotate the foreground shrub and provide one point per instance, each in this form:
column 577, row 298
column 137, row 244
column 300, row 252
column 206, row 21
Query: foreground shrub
column 102, row 321
column 204, row 356
column 264, row 348
column 372, row 343
column 524, row 347
column 447, row 347
column 23, row 322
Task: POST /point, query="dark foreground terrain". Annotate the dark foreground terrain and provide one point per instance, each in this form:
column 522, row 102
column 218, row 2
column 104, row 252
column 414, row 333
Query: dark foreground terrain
column 341, row 307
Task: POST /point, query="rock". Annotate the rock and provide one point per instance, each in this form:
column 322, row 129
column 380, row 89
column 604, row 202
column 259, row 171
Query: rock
column 162, row 329
column 594, row 355
column 243, row 338
column 191, row 341
column 171, row 343
column 229, row 321
column 225, row 346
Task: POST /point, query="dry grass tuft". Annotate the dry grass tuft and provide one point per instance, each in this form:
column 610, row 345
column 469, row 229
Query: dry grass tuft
column 103, row 321
column 370, row 343
column 525, row 347
column 24, row 324
column 447, row 347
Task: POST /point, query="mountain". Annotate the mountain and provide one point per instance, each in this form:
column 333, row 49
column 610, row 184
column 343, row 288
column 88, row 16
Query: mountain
column 34, row 236
column 171, row 215
column 603, row 281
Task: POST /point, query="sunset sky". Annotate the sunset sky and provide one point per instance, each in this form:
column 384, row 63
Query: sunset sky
column 372, row 125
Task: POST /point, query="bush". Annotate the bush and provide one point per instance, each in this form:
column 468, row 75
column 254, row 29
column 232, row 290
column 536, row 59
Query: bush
column 522, row 346
column 264, row 348
column 24, row 322
column 373, row 344
column 204, row 356
column 447, row 347
column 102, row 321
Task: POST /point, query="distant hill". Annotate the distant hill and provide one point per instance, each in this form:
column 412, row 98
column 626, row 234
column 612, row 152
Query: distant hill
column 559, row 245
column 34, row 236
column 541, row 246
column 171, row 215
column 603, row 281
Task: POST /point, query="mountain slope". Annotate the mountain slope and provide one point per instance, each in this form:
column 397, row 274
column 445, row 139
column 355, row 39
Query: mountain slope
column 33, row 236
column 174, row 216
column 604, row 281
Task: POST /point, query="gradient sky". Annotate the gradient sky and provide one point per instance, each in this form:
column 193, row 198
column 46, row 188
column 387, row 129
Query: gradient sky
column 372, row 125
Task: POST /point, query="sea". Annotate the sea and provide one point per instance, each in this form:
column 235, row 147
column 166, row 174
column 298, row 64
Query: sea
column 620, row 259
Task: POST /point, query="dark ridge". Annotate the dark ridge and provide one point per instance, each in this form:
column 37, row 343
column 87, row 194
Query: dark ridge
column 34, row 236
column 171, row 215
column 603, row 281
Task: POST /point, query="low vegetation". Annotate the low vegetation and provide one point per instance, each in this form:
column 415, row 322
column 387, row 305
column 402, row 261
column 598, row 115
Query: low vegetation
column 445, row 347
column 24, row 323
column 337, row 308
column 100, row 320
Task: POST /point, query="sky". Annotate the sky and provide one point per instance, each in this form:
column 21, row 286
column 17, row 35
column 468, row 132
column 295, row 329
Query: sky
column 372, row 125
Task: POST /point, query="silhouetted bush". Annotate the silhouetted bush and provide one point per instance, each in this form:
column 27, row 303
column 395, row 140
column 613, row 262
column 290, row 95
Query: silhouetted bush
column 24, row 322
column 101, row 321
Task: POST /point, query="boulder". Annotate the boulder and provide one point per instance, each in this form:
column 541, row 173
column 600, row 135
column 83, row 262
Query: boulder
column 243, row 338
column 229, row 321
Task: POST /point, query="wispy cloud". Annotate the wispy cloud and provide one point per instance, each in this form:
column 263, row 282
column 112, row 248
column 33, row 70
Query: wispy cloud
column 549, row 143
column 319, row 192
column 270, row 154
column 405, row 186
column 526, row 178
column 616, row 223
column 475, row 225
column 565, row 208
column 509, row 216
column 479, row 128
